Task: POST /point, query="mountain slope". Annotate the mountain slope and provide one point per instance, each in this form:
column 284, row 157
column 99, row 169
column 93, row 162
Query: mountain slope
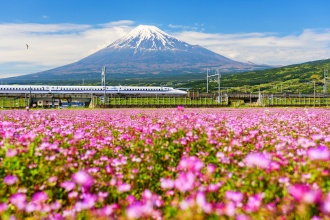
column 147, row 49
column 297, row 78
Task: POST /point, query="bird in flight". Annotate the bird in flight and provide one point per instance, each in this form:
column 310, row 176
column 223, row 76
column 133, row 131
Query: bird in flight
column 27, row 46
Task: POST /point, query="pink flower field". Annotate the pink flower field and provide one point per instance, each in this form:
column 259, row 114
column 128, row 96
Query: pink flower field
column 165, row 164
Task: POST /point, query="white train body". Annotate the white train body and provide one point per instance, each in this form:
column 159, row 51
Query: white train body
column 96, row 90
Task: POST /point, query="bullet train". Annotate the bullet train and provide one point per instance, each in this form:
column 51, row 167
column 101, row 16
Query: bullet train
column 95, row 90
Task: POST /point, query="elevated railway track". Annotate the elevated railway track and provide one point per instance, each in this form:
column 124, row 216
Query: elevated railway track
column 191, row 99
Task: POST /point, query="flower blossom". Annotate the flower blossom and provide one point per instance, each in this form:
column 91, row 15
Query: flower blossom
column 124, row 187
column 18, row 200
column 10, row 180
column 39, row 197
column 304, row 193
column 83, row 178
column 68, row 185
column 257, row 160
column 318, row 153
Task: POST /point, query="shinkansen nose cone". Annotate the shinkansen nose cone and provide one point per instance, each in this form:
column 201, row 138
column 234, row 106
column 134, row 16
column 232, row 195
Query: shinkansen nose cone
column 182, row 92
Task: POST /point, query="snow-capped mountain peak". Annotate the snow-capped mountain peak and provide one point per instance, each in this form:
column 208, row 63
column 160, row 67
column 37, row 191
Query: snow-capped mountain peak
column 147, row 32
column 147, row 49
column 146, row 37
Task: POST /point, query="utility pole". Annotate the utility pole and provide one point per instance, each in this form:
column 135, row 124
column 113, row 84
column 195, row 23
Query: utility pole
column 325, row 80
column 219, row 76
column 260, row 97
column 103, row 81
column 314, row 93
column 207, row 80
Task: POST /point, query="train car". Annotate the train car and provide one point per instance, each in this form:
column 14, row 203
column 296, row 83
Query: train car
column 95, row 90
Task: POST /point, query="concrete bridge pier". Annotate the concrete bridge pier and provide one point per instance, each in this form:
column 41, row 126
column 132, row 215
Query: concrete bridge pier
column 69, row 100
column 88, row 102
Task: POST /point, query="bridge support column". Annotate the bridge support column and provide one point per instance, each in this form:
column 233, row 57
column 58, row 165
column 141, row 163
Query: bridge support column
column 32, row 102
column 87, row 103
column 69, row 101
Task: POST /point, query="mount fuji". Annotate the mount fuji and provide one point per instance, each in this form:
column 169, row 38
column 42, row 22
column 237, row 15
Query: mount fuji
column 147, row 49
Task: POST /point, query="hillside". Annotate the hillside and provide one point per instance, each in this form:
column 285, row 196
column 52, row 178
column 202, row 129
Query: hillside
column 290, row 79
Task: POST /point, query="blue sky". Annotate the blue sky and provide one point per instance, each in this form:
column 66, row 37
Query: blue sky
column 276, row 32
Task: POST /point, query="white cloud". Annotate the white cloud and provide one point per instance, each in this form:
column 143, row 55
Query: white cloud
column 185, row 27
column 265, row 48
column 178, row 26
column 53, row 45
column 118, row 23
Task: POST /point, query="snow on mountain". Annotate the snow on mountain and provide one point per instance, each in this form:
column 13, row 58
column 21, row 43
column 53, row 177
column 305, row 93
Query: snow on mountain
column 149, row 38
column 147, row 49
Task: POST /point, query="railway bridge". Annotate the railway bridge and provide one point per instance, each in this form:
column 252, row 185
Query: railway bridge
column 192, row 99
